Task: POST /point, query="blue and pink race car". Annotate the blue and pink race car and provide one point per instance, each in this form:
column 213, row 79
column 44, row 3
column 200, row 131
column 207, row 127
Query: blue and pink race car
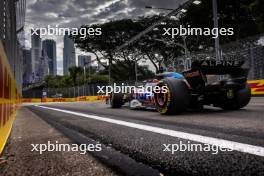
column 192, row 89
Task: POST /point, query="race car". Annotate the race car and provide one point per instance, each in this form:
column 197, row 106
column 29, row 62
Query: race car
column 192, row 89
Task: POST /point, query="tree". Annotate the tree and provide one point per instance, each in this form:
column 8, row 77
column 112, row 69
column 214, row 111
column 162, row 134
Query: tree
column 75, row 73
column 125, row 71
column 115, row 33
column 245, row 16
column 56, row 81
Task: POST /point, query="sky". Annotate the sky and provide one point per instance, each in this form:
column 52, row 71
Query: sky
column 74, row 13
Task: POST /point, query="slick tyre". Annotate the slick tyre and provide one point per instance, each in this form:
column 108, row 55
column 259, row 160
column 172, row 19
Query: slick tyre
column 241, row 99
column 116, row 100
column 175, row 100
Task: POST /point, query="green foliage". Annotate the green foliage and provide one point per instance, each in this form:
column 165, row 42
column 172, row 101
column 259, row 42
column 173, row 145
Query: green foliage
column 245, row 16
column 75, row 74
column 57, row 81
column 125, row 71
column 77, row 77
column 99, row 79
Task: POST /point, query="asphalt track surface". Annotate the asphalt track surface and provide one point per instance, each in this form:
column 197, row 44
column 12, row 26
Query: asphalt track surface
column 134, row 140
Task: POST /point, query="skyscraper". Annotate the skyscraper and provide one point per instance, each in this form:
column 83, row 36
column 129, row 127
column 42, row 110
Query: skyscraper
column 27, row 66
column 69, row 59
column 35, row 55
column 84, row 61
column 12, row 19
column 49, row 49
column 44, row 66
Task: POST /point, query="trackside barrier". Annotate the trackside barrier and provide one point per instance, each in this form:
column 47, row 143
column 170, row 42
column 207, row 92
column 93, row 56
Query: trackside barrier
column 257, row 87
column 9, row 98
column 44, row 100
column 31, row 100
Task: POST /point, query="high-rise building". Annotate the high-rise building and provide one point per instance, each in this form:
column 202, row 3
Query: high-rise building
column 12, row 19
column 84, row 61
column 49, row 49
column 27, row 72
column 43, row 66
column 36, row 56
column 69, row 59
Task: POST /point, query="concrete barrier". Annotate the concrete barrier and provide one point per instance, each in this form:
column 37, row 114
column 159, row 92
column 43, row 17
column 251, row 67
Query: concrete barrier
column 257, row 89
column 9, row 98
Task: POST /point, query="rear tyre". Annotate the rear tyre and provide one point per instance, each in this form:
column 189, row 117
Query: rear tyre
column 175, row 100
column 241, row 99
column 116, row 100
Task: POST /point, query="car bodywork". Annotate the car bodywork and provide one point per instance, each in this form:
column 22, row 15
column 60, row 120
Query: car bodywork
column 200, row 85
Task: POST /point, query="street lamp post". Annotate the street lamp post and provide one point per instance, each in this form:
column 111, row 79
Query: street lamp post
column 217, row 45
column 183, row 9
column 84, row 74
column 109, row 70
column 158, row 8
column 84, row 79
column 89, row 71
column 183, row 46
column 136, row 71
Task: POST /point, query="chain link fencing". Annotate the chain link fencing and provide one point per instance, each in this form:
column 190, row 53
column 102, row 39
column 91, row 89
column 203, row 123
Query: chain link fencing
column 249, row 50
column 72, row 92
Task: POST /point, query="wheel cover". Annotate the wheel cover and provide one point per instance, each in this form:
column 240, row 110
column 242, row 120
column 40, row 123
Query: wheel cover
column 161, row 99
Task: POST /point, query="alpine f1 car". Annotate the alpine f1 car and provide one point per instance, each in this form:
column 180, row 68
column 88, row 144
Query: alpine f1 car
column 193, row 89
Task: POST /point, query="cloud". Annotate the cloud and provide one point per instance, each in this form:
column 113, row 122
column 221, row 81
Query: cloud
column 74, row 13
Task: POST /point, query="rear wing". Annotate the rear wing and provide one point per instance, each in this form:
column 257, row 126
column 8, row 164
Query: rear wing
column 222, row 67
column 196, row 76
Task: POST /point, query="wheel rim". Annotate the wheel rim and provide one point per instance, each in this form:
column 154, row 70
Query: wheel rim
column 161, row 99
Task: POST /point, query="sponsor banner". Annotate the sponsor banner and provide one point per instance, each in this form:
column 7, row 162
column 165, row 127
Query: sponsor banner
column 58, row 100
column 88, row 98
column 9, row 98
column 31, row 100
column 43, row 100
column 257, row 87
column 102, row 97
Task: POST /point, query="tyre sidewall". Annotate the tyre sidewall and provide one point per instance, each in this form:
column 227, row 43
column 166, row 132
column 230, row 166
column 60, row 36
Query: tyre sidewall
column 177, row 97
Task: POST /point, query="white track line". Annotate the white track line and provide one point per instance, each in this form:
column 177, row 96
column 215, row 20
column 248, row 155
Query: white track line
column 245, row 148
